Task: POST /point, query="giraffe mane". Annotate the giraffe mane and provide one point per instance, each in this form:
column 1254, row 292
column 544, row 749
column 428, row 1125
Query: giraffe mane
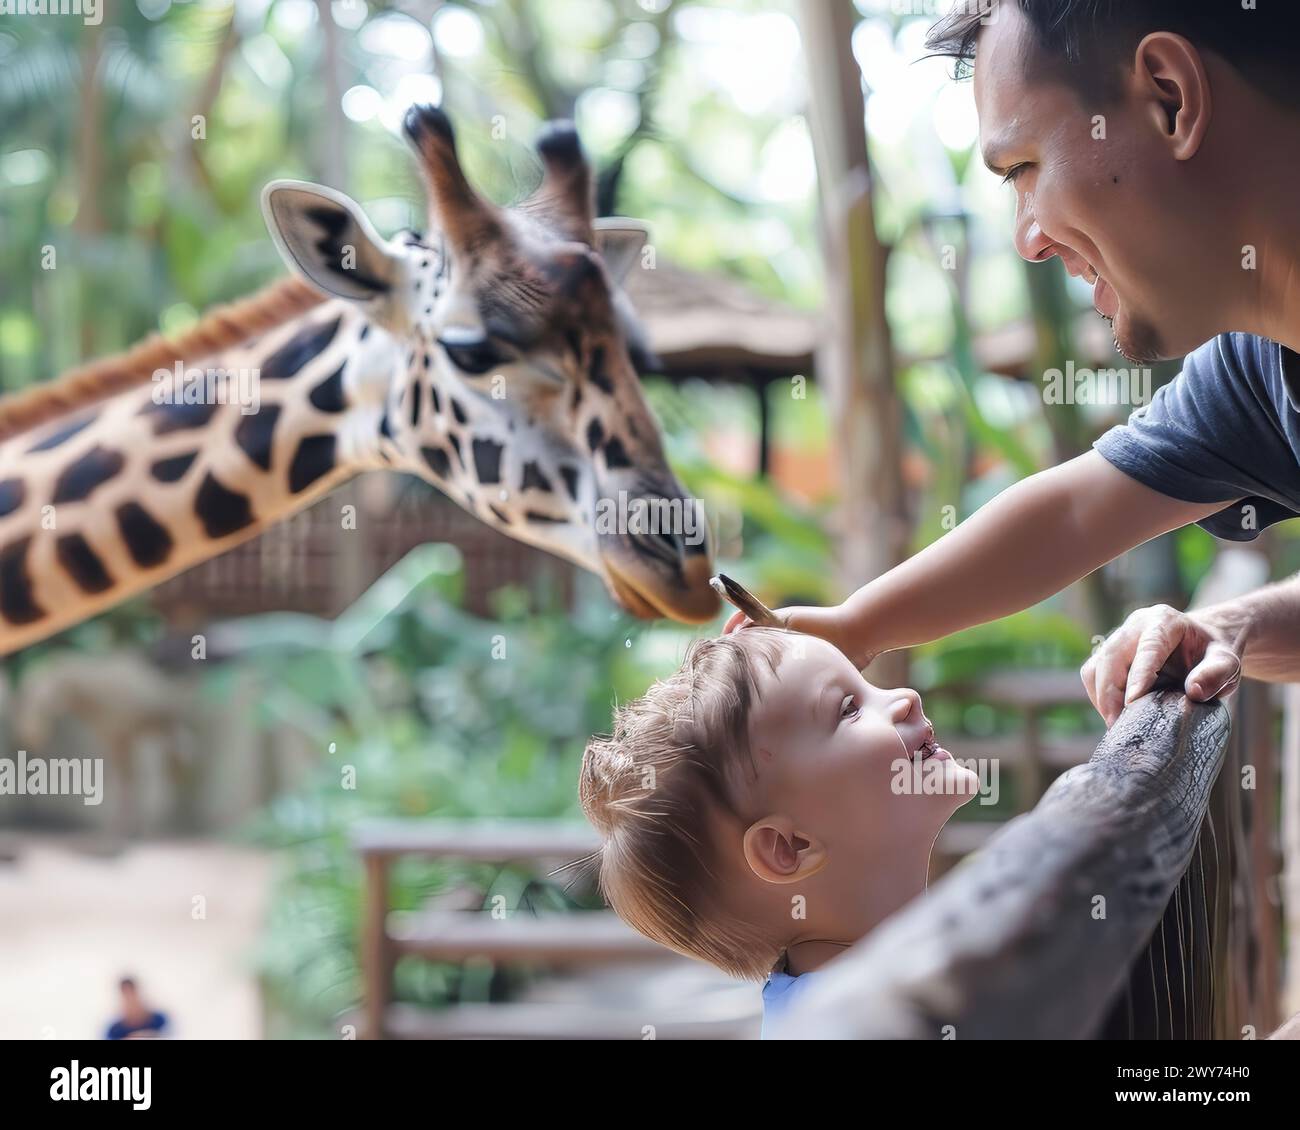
column 220, row 328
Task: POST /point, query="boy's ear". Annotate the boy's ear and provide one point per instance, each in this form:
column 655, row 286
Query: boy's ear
column 619, row 242
column 324, row 236
column 777, row 853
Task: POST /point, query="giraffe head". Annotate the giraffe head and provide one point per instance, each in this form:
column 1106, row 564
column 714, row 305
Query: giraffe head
column 501, row 365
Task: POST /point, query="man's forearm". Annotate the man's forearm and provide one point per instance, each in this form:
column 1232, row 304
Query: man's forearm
column 1031, row 541
column 1263, row 628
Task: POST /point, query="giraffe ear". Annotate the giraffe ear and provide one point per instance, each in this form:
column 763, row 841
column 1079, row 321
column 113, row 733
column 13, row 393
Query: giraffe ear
column 324, row 235
column 619, row 242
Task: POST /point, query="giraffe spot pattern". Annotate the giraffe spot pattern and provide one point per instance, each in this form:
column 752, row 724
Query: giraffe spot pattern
column 596, row 371
column 168, row 418
column 62, row 434
column 438, row 461
column 499, row 515
column 616, row 454
column 289, row 359
column 595, row 433
column 534, row 478
column 221, row 510
column 12, row 493
column 17, row 604
column 328, row 395
column 569, row 474
column 82, row 476
column 82, row 563
column 173, row 469
column 256, row 434
column 458, row 411
column 487, row 461
column 147, row 541
column 314, row 458
column 417, row 398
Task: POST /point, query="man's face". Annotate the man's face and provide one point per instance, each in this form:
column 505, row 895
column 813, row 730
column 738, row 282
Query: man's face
column 1098, row 186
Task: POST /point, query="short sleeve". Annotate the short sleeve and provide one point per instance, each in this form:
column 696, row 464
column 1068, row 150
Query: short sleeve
column 1213, row 434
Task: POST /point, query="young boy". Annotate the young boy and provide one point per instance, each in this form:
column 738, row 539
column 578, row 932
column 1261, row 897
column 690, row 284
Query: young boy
column 759, row 810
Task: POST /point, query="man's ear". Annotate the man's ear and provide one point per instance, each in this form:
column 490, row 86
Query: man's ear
column 324, row 236
column 619, row 242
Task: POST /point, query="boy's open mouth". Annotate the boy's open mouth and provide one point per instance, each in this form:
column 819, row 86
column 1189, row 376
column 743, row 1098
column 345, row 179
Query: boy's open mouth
column 931, row 749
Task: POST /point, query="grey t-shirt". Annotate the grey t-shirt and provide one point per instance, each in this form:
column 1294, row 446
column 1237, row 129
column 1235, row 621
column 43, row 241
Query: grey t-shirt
column 1227, row 427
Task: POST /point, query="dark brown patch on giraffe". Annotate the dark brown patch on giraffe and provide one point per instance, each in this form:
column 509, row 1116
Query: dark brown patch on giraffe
column 500, row 516
column 168, row 418
column 314, row 458
column 417, row 399
column 365, row 332
column 458, row 412
column 569, row 474
column 534, row 478
column 577, row 397
column 17, row 604
column 538, row 516
column 385, row 428
column 221, row 510
column 289, row 359
column 80, row 477
column 454, row 440
column 12, row 493
column 596, row 371
column 437, row 400
column 173, row 469
column 328, row 395
column 595, row 433
column 438, row 460
column 82, row 563
column 62, row 434
column 147, row 542
column 487, row 461
column 616, row 454
column 256, row 434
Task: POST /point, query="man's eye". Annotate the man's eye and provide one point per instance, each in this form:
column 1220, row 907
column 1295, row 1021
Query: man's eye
column 474, row 357
column 1013, row 173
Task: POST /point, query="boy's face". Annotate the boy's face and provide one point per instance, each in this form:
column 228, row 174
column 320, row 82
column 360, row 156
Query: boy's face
column 837, row 765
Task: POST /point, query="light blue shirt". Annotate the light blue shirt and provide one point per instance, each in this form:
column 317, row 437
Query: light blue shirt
column 781, row 993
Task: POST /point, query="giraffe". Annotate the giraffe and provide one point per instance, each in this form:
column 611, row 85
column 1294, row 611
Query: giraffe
column 493, row 359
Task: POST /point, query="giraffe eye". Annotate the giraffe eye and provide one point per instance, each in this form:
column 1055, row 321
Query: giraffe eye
column 472, row 355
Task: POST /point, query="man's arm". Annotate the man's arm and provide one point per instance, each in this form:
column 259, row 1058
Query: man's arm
column 1031, row 541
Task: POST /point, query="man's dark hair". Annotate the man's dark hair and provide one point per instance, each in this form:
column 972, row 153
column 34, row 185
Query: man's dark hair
column 1084, row 42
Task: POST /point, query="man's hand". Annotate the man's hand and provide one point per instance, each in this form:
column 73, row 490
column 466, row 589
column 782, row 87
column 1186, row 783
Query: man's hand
column 830, row 624
column 1155, row 640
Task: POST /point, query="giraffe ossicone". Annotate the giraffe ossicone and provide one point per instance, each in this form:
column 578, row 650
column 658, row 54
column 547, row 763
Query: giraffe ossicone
column 494, row 359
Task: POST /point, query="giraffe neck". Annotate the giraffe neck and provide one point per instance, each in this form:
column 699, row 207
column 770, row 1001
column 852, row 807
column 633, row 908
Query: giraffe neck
column 114, row 499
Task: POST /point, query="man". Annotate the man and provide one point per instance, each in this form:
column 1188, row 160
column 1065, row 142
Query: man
column 1154, row 146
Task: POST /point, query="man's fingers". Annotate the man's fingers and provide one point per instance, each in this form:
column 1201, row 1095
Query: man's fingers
column 737, row 620
column 1215, row 676
column 1112, row 675
column 1154, row 647
column 1088, row 673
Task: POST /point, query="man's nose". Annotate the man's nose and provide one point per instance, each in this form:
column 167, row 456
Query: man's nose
column 1031, row 241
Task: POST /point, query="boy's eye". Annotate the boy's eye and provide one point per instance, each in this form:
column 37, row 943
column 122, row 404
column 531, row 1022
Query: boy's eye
column 849, row 707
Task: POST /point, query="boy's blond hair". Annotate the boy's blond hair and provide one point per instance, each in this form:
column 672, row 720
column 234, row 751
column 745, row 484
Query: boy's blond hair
column 652, row 787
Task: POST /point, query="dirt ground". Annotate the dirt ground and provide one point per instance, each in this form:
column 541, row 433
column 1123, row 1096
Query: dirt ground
column 182, row 918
